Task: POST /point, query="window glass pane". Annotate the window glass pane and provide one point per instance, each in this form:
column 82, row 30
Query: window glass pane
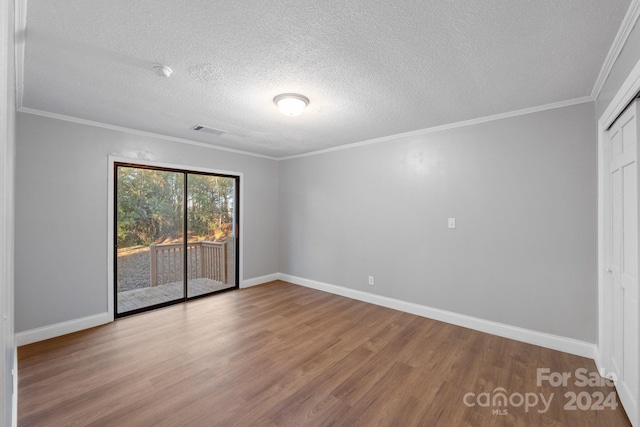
column 211, row 234
column 149, row 237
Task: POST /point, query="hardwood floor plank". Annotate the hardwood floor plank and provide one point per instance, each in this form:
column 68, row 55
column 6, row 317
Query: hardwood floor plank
column 283, row 355
column 379, row 403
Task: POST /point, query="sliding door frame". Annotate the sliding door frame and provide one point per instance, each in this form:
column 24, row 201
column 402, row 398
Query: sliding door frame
column 115, row 161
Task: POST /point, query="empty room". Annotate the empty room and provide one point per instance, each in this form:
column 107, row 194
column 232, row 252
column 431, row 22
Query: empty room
column 414, row 213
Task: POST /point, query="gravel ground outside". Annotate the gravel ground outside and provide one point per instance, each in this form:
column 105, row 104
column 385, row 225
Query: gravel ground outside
column 134, row 271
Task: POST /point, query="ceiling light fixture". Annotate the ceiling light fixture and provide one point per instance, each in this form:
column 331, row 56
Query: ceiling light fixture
column 162, row 70
column 291, row 104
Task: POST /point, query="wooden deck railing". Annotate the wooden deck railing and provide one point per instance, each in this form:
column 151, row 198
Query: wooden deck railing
column 204, row 260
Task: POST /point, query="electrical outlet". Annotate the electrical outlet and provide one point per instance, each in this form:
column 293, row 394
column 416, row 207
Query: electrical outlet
column 371, row 281
column 452, row 223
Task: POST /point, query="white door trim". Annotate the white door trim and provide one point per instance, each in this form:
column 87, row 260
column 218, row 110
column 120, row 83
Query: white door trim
column 7, row 159
column 110, row 206
column 623, row 97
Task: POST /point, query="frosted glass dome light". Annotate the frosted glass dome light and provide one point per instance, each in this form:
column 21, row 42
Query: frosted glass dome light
column 291, row 104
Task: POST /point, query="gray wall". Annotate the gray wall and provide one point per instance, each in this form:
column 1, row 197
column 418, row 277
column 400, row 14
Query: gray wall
column 7, row 159
column 523, row 191
column 622, row 67
column 61, row 205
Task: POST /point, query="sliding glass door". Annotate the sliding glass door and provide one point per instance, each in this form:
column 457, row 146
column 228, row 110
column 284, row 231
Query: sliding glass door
column 210, row 233
column 176, row 236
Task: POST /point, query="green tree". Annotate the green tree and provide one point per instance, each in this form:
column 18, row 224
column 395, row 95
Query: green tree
column 150, row 206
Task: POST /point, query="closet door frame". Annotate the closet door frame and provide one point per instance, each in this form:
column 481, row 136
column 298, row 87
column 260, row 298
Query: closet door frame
column 603, row 349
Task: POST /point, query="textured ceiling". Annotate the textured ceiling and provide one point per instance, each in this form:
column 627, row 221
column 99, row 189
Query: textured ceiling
column 371, row 68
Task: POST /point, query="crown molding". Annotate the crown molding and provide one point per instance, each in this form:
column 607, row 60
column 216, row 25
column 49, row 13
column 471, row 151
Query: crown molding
column 137, row 132
column 20, row 42
column 630, row 19
column 624, row 31
column 455, row 125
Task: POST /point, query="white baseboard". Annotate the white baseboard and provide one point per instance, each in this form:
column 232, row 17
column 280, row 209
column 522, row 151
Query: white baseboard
column 554, row 342
column 62, row 328
column 597, row 358
column 259, row 280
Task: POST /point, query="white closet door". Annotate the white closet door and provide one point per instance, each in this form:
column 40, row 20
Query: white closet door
column 623, row 256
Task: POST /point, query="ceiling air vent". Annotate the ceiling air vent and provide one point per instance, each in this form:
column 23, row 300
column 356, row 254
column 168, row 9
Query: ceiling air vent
column 211, row 131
